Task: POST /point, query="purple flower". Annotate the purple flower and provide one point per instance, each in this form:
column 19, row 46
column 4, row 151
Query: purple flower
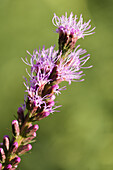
column 69, row 68
column 70, row 26
column 70, row 30
column 42, row 64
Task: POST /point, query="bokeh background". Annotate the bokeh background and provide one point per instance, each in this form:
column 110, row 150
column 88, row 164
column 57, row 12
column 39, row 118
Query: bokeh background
column 80, row 136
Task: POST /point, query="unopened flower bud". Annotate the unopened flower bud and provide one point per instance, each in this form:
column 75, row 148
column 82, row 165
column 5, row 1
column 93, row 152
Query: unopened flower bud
column 2, row 155
column 24, row 149
column 15, row 128
column 14, row 147
column 30, row 138
column 42, row 115
column 20, row 113
column 8, row 167
column 15, row 161
column 6, row 142
column 32, row 129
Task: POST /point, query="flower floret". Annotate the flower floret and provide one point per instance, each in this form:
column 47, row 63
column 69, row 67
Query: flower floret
column 70, row 26
column 69, row 69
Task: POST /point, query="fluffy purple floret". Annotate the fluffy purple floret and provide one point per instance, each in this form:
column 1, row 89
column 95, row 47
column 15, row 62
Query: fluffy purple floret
column 69, row 69
column 70, row 25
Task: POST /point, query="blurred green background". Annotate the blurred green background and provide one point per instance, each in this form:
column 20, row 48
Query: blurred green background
column 80, row 136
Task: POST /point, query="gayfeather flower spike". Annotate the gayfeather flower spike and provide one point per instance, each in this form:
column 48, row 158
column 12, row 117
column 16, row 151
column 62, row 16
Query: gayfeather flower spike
column 48, row 68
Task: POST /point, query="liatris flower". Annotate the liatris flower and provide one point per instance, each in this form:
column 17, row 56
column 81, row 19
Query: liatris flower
column 48, row 69
column 70, row 30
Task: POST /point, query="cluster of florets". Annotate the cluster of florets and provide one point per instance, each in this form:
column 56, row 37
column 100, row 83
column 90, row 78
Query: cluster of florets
column 48, row 68
column 70, row 30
